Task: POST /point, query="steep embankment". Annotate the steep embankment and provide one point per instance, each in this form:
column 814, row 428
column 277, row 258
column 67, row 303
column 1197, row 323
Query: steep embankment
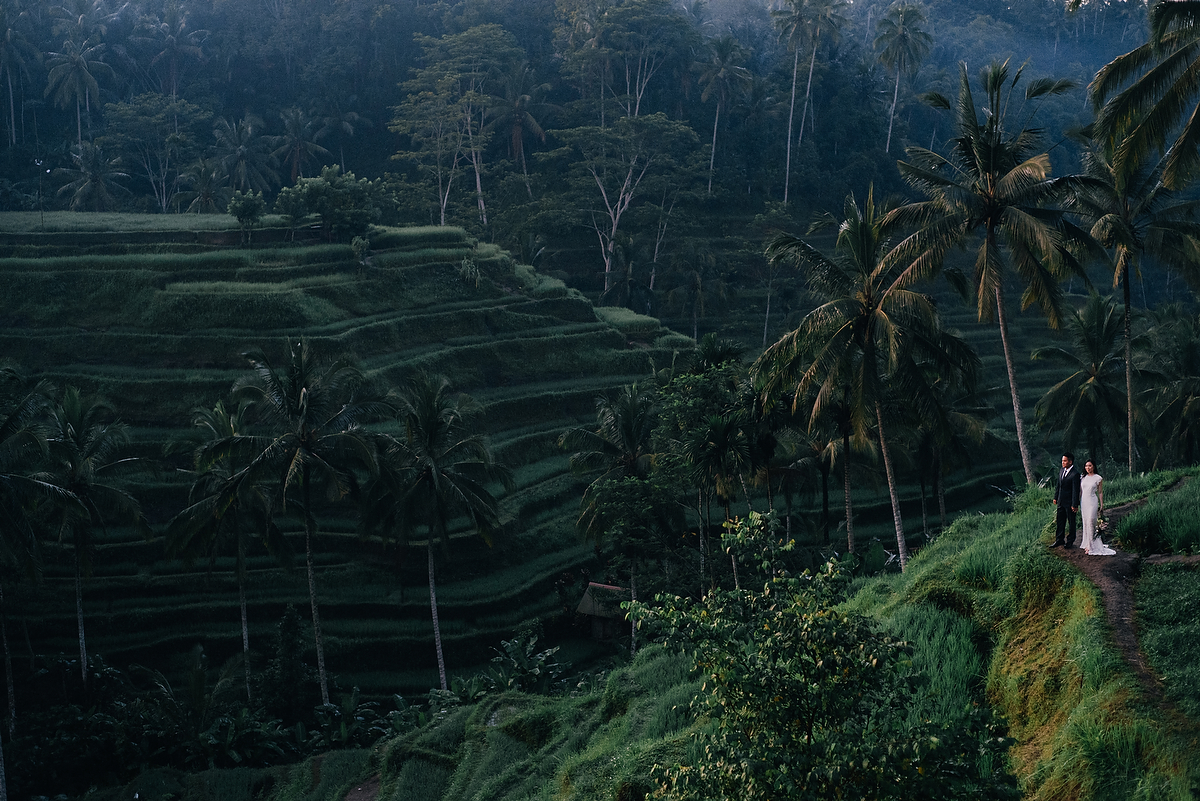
column 155, row 321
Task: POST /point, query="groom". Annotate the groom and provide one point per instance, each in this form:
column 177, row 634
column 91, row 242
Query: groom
column 1066, row 498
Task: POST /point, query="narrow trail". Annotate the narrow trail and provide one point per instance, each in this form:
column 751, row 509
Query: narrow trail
column 1115, row 576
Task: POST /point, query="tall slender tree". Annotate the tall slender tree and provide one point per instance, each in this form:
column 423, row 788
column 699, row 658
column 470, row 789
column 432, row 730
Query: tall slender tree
column 903, row 44
column 867, row 332
column 85, row 443
column 995, row 188
column 1132, row 213
column 437, row 472
column 725, row 79
column 313, row 414
column 74, row 77
column 16, row 55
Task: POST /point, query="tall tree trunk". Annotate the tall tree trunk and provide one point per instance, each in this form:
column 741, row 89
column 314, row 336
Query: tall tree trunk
column 787, row 170
column 940, row 489
column 241, row 568
column 703, row 533
column 83, row 671
column 808, row 89
column 767, row 316
column 3, row 779
column 433, row 609
column 846, row 488
column 310, row 524
column 825, row 499
column 78, row 124
column 892, row 117
column 712, row 155
column 924, row 515
column 901, row 545
column 12, row 113
column 1002, row 320
column 1128, row 357
column 8, row 671
column 632, row 597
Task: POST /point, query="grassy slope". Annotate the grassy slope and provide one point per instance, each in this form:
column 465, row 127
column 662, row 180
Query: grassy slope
column 994, row 617
column 159, row 333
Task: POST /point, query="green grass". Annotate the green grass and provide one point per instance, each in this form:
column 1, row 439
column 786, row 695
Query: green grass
column 998, row 618
column 1168, row 522
column 1168, row 618
column 59, row 221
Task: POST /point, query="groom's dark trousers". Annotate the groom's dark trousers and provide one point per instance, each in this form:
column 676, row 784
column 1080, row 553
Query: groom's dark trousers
column 1067, row 497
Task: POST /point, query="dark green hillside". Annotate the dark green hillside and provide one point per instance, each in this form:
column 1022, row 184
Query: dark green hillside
column 159, row 333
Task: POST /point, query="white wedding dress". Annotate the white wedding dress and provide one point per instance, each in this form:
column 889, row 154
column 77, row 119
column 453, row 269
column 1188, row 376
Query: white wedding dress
column 1090, row 507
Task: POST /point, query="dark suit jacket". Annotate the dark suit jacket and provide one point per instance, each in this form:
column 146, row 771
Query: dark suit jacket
column 1067, row 494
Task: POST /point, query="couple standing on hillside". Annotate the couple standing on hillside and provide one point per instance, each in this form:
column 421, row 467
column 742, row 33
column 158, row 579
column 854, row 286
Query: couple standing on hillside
column 1079, row 491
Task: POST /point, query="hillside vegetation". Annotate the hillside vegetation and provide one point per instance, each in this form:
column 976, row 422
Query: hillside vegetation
column 159, row 334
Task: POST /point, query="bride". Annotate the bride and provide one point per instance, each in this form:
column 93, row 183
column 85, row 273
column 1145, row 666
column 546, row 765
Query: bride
column 1092, row 489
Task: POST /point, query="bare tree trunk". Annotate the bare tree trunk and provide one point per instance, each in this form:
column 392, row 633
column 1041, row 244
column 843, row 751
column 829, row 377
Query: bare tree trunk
column 941, row 489
column 8, row 671
column 787, row 170
column 846, row 487
column 808, row 89
column 310, row 525
column 83, row 671
column 242, row 605
column 1002, row 320
column 901, row 545
column 437, row 627
column 892, row 117
column 632, row 597
column 712, row 156
column 1128, row 359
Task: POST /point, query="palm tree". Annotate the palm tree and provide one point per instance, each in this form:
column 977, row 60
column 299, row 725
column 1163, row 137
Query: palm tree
column 206, row 189
column 514, row 112
column 800, row 23
column 1174, row 397
column 174, row 40
column 244, row 155
column 437, row 472
column 902, row 43
column 1132, row 212
column 313, row 414
column 85, row 442
column 694, row 270
column 993, row 187
column 73, row 77
column 220, row 502
column 93, row 181
column 298, row 143
column 617, row 448
column 1142, row 97
column 724, row 76
column 868, row 330
column 16, row 53
column 718, row 453
column 1090, row 402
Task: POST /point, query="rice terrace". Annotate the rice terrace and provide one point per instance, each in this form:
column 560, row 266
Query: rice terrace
column 599, row 400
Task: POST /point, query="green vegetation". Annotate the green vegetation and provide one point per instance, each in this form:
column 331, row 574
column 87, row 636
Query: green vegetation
column 1169, row 523
column 1168, row 615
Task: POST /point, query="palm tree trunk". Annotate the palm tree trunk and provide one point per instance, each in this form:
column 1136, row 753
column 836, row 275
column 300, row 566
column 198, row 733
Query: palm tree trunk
column 901, row 545
column 703, row 533
column 825, row 500
column 83, row 672
column 12, row 113
column 632, row 597
column 892, row 116
column 1128, row 357
column 846, row 488
column 8, row 671
column 241, row 568
column 1002, row 320
column 787, row 170
column 924, row 515
column 941, row 489
column 808, row 89
column 3, row 780
column 767, row 316
column 78, row 123
column 437, row 627
column 310, row 525
column 712, row 155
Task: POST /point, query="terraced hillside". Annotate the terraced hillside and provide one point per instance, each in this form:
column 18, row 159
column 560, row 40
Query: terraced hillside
column 156, row 321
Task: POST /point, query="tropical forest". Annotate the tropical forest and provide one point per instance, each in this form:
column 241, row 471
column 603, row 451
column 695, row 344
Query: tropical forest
column 599, row 400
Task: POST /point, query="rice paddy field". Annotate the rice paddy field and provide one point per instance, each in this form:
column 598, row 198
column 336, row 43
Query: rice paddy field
column 153, row 312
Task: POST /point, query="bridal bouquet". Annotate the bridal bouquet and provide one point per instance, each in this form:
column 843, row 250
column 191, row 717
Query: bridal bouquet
column 1101, row 522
